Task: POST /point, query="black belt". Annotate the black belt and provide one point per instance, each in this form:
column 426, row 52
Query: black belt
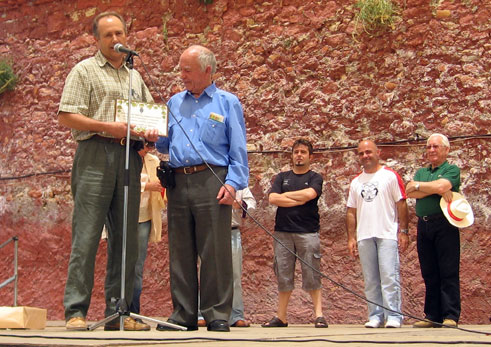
column 121, row 141
column 432, row 217
column 235, row 228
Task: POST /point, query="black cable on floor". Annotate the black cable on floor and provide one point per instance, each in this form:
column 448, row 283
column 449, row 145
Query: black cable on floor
column 282, row 340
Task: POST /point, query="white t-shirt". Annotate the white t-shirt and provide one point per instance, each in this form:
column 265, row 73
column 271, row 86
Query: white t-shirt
column 374, row 196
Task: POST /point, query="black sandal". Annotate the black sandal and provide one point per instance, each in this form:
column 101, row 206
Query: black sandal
column 274, row 323
column 320, row 322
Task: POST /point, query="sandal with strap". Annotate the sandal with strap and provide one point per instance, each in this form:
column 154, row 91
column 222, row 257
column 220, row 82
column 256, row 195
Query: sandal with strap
column 320, row 322
column 274, row 323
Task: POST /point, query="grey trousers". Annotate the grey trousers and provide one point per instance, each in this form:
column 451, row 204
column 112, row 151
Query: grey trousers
column 98, row 197
column 237, row 301
column 198, row 225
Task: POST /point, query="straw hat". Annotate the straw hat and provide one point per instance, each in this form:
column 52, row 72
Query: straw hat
column 458, row 211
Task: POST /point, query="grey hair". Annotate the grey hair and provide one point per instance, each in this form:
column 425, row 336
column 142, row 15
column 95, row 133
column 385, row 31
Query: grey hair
column 207, row 58
column 445, row 141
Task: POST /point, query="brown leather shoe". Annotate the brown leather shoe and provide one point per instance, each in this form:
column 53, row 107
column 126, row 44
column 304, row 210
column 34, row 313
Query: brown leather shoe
column 241, row 324
column 76, row 323
column 450, row 323
column 129, row 325
column 201, row 323
column 425, row 324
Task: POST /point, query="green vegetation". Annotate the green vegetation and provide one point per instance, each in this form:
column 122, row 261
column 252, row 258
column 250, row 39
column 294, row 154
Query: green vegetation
column 375, row 15
column 165, row 19
column 8, row 79
column 165, row 33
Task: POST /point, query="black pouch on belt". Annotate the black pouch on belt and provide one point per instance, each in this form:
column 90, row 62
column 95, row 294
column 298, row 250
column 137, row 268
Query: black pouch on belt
column 166, row 175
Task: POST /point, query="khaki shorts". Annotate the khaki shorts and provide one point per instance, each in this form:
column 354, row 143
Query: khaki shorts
column 307, row 247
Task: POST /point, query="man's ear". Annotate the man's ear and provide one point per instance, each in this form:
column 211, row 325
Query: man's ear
column 96, row 42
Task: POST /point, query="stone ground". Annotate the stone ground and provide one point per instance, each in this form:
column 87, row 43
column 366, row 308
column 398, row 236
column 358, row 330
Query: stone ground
column 296, row 335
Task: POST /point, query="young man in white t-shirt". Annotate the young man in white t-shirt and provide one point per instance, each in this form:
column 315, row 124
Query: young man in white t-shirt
column 376, row 202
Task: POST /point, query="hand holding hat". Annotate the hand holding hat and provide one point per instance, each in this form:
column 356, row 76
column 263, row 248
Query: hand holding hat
column 458, row 211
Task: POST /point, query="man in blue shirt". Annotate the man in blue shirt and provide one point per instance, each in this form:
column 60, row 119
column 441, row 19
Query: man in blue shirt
column 206, row 124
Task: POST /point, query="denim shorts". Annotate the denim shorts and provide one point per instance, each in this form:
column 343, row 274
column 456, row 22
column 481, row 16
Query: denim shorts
column 307, row 247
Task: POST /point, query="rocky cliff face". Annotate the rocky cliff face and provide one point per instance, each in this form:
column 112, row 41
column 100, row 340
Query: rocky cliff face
column 300, row 68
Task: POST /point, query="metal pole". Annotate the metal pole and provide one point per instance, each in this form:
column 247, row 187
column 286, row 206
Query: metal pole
column 129, row 60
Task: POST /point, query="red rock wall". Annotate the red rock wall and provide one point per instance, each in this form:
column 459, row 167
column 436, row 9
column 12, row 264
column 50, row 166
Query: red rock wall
column 300, row 69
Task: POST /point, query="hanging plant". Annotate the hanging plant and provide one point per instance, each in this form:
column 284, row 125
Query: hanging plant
column 8, row 79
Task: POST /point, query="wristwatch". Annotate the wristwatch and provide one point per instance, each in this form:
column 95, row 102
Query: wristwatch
column 416, row 186
column 404, row 231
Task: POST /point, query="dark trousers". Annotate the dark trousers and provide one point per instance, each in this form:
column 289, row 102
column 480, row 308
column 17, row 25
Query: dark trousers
column 98, row 198
column 439, row 258
column 198, row 225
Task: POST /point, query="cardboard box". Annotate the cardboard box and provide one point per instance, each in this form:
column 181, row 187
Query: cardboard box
column 22, row 317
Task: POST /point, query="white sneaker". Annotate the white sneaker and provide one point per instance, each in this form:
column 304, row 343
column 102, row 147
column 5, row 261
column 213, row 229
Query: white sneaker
column 392, row 323
column 373, row 323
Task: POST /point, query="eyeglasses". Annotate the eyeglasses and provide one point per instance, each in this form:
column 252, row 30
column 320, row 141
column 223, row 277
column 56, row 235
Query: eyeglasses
column 428, row 147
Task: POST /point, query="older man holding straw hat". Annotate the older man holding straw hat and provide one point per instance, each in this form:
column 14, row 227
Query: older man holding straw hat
column 441, row 211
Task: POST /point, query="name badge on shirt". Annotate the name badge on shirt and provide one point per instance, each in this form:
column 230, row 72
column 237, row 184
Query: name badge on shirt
column 216, row 117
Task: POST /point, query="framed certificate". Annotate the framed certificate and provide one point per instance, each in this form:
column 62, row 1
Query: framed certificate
column 143, row 115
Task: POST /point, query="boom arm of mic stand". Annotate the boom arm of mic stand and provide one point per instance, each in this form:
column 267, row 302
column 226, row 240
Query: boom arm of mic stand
column 129, row 63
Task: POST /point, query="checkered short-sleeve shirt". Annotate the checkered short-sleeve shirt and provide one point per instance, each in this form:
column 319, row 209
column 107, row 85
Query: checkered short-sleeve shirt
column 92, row 87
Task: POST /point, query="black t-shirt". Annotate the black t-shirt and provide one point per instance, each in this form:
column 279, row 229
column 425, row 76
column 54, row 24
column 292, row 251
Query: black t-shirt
column 303, row 218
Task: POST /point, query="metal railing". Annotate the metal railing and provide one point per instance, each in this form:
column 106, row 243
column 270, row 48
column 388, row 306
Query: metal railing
column 14, row 239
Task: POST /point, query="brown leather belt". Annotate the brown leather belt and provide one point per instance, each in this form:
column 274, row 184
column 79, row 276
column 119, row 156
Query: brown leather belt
column 121, row 141
column 188, row 170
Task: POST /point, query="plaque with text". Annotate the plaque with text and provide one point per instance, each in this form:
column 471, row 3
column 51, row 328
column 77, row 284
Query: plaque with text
column 144, row 115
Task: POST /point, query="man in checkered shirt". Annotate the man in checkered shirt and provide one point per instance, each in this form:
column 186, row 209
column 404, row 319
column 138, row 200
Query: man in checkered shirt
column 98, row 173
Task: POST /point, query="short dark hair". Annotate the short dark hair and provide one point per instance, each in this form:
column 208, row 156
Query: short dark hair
column 305, row 143
column 95, row 23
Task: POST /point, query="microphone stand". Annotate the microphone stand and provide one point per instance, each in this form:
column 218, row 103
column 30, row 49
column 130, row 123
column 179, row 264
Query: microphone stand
column 122, row 308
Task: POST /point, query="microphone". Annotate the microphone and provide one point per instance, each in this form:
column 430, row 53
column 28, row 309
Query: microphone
column 118, row 47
